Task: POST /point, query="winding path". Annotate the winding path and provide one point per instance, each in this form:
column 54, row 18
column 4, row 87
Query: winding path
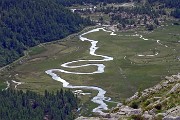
column 100, row 97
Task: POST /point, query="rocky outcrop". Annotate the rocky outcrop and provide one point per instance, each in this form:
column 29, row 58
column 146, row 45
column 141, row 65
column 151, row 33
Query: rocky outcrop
column 176, row 87
column 88, row 118
column 164, row 90
column 135, row 96
column 172, row 114
column 147, row 116
column 156, row 88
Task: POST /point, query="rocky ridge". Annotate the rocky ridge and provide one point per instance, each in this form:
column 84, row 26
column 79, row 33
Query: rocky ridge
column 155, row 103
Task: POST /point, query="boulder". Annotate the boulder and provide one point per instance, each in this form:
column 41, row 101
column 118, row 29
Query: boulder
column 121, row 113
column 135, row 96
column 147, row 116
column 170, row 79
column 126, row 109
column 165, row 84
column 94, row 118
column 153, row 111
column 144, row 94
column 107, row 116
column 171, row 118
column 157, row 87
column 135, row 112
column 130, row 111
column 173, row 111
column 157, row 98
column 177, row 86
column 176, row 76
column 119, row 104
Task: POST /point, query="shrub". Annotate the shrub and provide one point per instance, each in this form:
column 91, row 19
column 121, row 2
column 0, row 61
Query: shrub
column 134, row 104
column 158, row 106
column 137, row 117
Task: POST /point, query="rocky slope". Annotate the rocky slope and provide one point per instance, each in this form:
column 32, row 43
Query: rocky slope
column 156, row 103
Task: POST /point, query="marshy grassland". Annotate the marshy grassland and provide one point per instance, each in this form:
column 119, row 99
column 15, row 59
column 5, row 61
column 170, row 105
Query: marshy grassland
column 123, row 76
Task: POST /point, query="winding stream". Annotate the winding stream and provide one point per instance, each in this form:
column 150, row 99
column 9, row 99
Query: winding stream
column 100, row 97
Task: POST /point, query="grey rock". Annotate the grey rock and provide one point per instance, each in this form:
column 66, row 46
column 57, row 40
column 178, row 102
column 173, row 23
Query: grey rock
column 107, row 116
column 173, row 111
column 157, row 97
column 177, row 86
column 145, row 112
column 171, row 118
column 176, row 76
column 119, row 104
column 126, row 109
column 147, row 116
column 87, row 118
column 165, row 84
column 130, row 111
column 121, row 113
column 153, row 111
column 158, row 87
column 135, row 112
column 133, row 97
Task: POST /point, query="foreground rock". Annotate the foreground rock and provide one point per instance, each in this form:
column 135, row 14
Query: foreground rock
column 172, row 114
column 159, row 102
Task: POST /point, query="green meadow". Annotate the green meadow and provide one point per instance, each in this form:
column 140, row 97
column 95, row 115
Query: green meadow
column 123, row 76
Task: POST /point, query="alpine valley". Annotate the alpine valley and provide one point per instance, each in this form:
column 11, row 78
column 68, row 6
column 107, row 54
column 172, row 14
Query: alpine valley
column 90, row 59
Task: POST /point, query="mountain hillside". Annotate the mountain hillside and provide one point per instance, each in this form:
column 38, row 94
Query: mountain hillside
column 26, row 23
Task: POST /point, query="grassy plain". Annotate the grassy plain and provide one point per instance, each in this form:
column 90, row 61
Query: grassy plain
column 123, row 76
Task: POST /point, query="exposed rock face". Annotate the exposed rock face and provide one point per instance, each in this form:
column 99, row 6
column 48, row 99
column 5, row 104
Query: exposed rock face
column 130, row 111
column 147, row 116
column 88, row 118
column 119, row 104
column 133, row 97
column 124, row 111
column 173, row 114
column 171, row 85
column 156, row 88
column 177, row 86
column 171, row 118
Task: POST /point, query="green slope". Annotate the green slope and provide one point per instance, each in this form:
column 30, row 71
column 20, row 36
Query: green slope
column 26, row 23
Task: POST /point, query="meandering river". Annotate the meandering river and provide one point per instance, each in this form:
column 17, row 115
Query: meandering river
column 100, row 97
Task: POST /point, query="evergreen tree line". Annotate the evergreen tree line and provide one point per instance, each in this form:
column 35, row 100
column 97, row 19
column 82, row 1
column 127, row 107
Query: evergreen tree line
column 143, row 11
column 19, row 105
column 166, row 3
column 148, row 10
column 140, row 10
column 26, row 23
column 94, row 2
column 176, row 13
